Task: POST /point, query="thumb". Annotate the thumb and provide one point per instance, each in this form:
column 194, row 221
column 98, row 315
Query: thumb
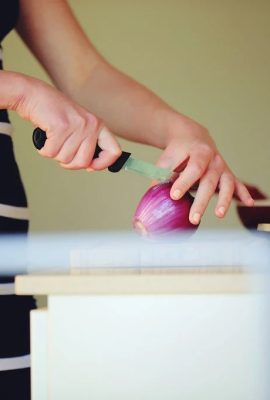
column 173, row 159
column 107, row 142
column 111, row 150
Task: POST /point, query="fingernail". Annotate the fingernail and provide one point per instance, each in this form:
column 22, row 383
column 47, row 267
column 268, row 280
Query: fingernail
column 221, row 211
column 176, row 194
column 251, row 202
column 196, row 218
column 89, row 169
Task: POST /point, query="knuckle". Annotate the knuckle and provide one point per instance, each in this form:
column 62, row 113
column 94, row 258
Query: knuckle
column 225, row 200
column 206, row 150
column 230, row 180
column 242, row 188
column 65, row 166
column 62, row 126
column 80, row 165
column 78, row 121
column 117, row 153
column 92, row 122
column 212, row 182
column 65, row 159
column 197, row 170
column 50, row 153
column 218, row 160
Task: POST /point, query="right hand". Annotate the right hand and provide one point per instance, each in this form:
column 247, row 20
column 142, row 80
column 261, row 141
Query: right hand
column 72, row 132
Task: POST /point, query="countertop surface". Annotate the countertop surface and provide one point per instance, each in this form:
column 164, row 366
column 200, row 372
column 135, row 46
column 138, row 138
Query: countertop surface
column 128, row 281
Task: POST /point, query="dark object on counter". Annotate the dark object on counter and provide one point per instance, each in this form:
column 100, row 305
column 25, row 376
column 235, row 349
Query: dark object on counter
column 251, row 217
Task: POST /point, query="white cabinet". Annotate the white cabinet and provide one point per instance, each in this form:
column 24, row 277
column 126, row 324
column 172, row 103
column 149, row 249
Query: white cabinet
column 141, row 336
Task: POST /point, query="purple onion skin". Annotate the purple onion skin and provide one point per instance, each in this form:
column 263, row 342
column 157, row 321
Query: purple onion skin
column 158, row 214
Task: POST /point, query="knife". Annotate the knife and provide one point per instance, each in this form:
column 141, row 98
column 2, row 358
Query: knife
column 124, row 162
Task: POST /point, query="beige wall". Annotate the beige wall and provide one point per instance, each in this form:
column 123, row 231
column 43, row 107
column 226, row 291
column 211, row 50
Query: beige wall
column 209, row 59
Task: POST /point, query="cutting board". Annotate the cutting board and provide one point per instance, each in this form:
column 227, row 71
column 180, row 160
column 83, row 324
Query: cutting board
column 204, row 251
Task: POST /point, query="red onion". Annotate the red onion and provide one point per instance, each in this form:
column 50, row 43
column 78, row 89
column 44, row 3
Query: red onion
column 157, row 213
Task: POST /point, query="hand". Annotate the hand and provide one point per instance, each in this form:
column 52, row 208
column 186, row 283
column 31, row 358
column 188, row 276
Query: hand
column 192, row 152
column 72, row 132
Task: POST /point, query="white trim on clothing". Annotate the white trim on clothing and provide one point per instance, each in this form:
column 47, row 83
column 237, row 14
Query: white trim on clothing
column 7, row 288
column 7, row 364
column 14, row 212
column 6, row 128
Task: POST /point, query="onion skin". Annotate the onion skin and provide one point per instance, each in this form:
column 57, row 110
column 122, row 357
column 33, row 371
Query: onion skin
column 158, row 214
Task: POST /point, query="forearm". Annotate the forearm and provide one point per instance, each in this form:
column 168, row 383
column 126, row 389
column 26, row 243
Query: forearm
column 128, row 108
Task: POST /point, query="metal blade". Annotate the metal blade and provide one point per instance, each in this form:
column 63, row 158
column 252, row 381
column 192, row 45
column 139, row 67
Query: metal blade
column 148, row 170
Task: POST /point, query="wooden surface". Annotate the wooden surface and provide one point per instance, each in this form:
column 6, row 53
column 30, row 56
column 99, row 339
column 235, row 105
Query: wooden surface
column 264, row 227
column 130, row 281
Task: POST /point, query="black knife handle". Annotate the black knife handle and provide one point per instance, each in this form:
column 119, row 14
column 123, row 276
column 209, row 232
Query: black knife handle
column 39, row 139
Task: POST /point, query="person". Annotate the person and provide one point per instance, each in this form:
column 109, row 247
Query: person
column 89, row 99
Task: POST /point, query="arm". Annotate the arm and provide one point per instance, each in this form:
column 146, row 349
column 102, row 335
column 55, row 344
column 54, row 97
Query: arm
column 127, row 107
column 75, row 66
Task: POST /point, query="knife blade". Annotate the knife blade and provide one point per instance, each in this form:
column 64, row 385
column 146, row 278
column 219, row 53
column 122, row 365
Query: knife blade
column 148, row 170
column 124, row 162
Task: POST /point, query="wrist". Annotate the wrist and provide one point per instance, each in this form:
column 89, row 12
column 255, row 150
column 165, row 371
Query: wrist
column 173, row 126
column 14, row 88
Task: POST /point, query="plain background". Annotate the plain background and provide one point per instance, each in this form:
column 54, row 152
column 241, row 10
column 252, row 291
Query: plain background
column 208, row 59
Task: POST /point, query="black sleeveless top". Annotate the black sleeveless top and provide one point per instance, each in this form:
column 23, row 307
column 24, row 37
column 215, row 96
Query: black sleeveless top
column 14, row 332
column 8, row 17
column 13, row 203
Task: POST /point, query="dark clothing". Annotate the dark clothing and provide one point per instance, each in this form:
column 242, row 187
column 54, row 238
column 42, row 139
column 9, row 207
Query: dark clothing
column 14, row 310
column 8, row 16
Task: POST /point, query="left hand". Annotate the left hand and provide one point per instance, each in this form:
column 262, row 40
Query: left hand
column 192, row 152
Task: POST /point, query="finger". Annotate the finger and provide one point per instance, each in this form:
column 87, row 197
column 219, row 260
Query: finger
column 204, row 193
column 255, row 192
column 68, row 131
column 174, row 159
column 69, row 149
column 172, row 179
column 77, row 151
column 206, row 189
column 111, row 150
column 194, row 170
column 83, row 156
column 104, row 160
column 243, row 194
column 51, row 147
column 226, row 190
column 56, row 136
